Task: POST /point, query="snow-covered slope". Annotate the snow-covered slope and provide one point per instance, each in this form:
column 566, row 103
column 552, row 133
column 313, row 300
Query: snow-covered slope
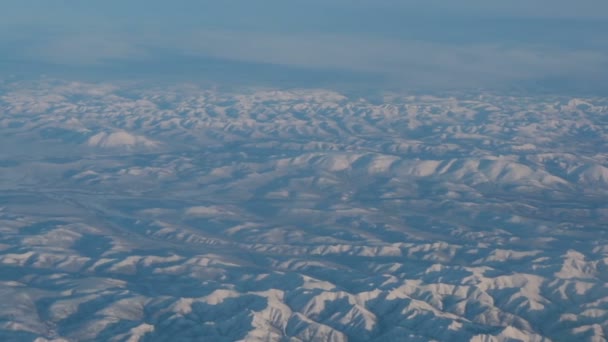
column 119, row 139
column 187, row 214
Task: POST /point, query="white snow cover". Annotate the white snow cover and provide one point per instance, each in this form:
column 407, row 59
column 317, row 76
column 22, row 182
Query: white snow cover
column 119, row 139
column 188, row 214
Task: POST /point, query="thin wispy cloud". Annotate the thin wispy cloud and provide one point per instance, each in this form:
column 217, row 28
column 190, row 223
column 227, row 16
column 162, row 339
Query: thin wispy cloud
column 406, row 61
column 84, row 49
column 473, row 43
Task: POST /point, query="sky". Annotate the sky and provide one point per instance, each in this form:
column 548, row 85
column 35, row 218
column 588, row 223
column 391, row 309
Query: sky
column 557, row 45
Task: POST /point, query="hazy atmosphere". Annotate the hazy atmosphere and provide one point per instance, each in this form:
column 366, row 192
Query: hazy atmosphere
column 549, row 45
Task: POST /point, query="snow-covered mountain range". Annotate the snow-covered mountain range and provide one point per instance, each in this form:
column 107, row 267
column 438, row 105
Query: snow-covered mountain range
column 133, row 213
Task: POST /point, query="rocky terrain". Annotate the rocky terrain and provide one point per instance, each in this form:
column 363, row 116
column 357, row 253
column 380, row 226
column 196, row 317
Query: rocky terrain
column 134, row 213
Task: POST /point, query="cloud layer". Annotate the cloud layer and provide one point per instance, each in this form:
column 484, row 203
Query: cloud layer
column 473, row 43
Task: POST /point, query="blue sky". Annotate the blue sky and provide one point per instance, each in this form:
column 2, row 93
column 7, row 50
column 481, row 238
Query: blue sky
column 433, row 44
